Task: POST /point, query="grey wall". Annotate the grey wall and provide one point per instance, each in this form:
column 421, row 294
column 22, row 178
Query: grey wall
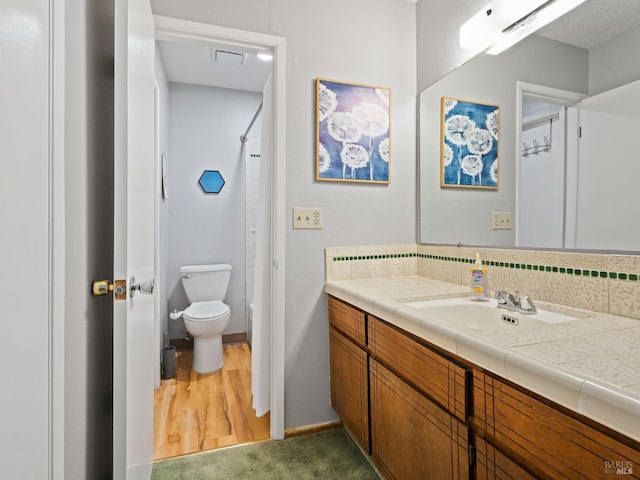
column 613, row 64
column 89, row 238
column 438, row 48
column 365, row 41
column 164, row 116
column 206, row 124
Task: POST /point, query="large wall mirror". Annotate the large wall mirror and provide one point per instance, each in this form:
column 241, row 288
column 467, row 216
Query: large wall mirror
column 569, row 160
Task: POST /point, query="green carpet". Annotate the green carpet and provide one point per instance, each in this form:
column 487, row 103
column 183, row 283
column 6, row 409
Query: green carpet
column 326, row 455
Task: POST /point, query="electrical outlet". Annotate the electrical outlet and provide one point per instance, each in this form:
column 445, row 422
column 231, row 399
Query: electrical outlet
column 501, row 220
column 307, row 217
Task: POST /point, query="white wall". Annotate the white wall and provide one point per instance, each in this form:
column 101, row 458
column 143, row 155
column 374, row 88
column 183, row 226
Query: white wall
column 25, row 239
column 365, row 41
column 206, row 124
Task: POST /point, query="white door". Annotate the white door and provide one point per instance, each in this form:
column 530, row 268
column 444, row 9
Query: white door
column 134, row 239
column 608, row 171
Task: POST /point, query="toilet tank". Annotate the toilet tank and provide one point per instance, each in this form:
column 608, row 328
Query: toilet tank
column 204, row 283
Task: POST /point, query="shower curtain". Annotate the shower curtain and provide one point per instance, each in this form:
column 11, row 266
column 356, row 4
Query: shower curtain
column 251, row 151
column 261, row 336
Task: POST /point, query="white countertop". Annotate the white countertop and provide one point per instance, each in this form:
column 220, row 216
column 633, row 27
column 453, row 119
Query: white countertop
column 590, row 365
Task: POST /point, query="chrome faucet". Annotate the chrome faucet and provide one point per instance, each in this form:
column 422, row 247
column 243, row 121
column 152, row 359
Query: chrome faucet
column 516, row 303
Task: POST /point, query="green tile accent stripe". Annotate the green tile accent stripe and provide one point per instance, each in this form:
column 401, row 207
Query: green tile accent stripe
column 375, row 257
column 632, row 277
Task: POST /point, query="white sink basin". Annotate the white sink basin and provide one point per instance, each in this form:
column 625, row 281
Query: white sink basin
column 484, row 315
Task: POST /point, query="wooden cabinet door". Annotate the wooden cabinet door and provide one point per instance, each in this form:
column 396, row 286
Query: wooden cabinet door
column 543, row 438
column 492, row 464
column 411, row 437
column 349, row 386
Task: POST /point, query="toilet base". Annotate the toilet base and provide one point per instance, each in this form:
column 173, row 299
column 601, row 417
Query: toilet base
column 207, row 354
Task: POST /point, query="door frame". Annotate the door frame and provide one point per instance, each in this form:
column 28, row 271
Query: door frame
column 561, row 97
column 174, row 29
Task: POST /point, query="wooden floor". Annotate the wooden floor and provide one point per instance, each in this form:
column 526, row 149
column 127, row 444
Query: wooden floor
column 194, row 413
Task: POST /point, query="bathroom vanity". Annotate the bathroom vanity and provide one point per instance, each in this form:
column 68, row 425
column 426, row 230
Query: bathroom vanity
column 430, row 400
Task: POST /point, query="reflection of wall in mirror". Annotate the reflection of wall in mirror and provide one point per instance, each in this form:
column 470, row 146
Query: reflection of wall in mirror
column 492, row 79
column 452, row 216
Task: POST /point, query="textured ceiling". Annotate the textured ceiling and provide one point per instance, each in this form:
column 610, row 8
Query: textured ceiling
column 594, row 22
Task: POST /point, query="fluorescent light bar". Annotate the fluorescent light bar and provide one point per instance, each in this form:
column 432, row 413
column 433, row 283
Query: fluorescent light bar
column 503, row 23
column 529, row 24
column 483, row 28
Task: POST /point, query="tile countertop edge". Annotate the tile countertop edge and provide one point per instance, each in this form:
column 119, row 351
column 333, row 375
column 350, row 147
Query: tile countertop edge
column 600, row 401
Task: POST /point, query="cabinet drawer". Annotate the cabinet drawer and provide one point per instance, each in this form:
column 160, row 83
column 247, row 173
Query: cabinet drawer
column 348, row 320
column 427, row 371
column 549, row 442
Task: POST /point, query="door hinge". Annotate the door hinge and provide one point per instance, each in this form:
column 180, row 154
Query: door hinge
column 103, row 287
column 472, row 455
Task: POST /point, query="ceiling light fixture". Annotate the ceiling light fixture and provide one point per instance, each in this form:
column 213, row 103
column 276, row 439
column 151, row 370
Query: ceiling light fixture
column 265, row 57
column 503, row 23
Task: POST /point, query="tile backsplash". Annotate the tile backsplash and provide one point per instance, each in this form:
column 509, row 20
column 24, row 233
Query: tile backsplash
column 608, row 283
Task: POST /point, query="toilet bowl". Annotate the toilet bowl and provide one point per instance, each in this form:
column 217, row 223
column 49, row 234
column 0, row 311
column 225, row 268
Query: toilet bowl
column 206, row 321
column 208, row 315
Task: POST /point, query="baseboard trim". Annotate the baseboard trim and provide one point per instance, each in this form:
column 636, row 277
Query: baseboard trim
column 231, row 338
column 234, row 338
column 181, row 343
column 320, row 427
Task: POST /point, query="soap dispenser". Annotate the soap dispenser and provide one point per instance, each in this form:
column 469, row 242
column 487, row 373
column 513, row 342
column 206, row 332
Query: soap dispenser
column 479, row 281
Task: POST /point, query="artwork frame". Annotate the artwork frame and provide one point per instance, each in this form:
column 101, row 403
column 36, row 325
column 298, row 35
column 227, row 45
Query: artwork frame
column 353, row 132
column 469, row 144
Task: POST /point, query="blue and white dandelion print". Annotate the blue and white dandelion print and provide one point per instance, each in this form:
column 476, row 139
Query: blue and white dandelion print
column 352, row 132
column 469, row 153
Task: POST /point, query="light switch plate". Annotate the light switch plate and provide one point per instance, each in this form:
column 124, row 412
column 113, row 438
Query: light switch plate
column 501, row 220
column 307, row 217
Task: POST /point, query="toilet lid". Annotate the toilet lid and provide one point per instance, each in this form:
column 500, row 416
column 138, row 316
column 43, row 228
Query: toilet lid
column 206, row 310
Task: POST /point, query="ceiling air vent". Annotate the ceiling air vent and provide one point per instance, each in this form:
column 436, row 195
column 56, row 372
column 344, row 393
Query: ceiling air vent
column 229, row 58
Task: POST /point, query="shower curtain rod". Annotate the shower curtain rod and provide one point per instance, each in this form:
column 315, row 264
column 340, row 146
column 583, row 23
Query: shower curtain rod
column 243, row 138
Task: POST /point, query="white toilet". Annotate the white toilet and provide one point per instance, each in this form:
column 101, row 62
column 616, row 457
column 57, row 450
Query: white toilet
column 207, row 316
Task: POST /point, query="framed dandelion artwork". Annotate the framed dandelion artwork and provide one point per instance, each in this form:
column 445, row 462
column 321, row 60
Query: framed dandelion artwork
column 352, row 132
column 469, row 145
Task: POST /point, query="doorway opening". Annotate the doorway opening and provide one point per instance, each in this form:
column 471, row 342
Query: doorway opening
column 546, row 169
column 234, row 48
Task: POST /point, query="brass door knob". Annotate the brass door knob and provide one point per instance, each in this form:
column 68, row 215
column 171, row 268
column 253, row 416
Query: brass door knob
column 103, row 287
